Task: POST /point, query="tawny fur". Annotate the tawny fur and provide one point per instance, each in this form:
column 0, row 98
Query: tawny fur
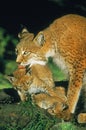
column 65, row 41
column 51, row 103
column 40, row 86
column 82, row 118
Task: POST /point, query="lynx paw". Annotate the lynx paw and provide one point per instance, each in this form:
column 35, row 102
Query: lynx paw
column 65, row 114
column 82, row 118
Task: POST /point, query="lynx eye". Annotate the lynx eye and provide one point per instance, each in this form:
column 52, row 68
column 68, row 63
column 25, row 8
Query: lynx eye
column 25, row 52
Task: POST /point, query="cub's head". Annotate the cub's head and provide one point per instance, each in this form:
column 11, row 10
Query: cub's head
column 21, row 81
column 32, row 50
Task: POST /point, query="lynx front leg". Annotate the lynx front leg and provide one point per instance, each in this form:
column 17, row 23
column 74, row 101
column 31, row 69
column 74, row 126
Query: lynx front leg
column 75, row 86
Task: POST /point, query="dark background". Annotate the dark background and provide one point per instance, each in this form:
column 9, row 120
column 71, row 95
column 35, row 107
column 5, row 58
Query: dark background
column 36, row 14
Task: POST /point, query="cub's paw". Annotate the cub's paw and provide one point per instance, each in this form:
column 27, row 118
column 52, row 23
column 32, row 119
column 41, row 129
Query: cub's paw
column 33, row 98
column 65, row 114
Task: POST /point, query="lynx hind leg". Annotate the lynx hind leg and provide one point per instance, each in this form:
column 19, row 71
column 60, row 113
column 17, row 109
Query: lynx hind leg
column 82, row 118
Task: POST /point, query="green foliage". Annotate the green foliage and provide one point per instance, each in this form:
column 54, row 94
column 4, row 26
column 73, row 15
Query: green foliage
column 7, row 56
column 10, row 67
column 66, row 126
column 57, row 73
column 3, row 82
column 6, row 40
column 3, row 42
column 40, row 120
column 30, row 117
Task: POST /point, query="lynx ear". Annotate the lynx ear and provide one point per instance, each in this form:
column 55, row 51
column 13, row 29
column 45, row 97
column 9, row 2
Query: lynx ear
column 10, row 78
column 24, row 31
column 25, row 34
column 39, row 40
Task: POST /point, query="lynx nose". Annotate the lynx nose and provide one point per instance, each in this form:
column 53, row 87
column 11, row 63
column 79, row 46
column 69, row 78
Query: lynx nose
column 18, row 59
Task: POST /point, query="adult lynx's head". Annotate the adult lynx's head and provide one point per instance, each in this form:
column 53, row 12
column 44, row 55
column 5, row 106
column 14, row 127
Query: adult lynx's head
column 28, row 51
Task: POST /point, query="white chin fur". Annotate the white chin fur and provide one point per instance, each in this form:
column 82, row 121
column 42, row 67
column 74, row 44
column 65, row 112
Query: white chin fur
column 24, row 64
column 37, row 62
column 32, row 62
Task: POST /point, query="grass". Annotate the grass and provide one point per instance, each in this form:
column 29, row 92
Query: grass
column 64, row 126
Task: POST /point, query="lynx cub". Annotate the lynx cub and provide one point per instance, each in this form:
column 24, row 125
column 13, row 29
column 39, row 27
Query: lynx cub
column 40, row 86
column 65, row 41
column 54, row 105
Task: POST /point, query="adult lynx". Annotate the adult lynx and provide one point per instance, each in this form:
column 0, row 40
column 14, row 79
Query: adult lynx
column 65, row 41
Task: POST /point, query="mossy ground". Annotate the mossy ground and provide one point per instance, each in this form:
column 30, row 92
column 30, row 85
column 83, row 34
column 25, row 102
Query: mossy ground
column 15, row 115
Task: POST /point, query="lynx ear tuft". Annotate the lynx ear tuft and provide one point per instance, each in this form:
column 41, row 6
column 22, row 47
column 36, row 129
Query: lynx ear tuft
column 25, row 34
column 40, row 39
column 24, row 30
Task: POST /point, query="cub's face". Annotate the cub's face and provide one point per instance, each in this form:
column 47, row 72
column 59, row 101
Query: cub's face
column 20, row 79
column 21, row 84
